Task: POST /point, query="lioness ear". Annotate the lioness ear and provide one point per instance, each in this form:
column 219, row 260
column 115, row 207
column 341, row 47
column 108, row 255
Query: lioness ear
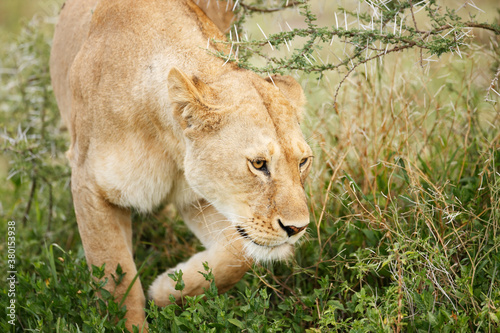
column 290, row 88
column 190, row 108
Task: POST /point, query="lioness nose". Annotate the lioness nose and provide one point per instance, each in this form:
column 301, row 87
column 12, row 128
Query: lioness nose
column 290, row 229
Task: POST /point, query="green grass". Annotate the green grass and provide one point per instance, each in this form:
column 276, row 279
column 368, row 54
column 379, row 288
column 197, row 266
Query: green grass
column 404, row 199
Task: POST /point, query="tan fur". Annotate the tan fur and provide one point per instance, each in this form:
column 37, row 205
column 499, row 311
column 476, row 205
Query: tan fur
column 155, row 118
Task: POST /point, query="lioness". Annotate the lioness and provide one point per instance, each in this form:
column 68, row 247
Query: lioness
column 154, row 118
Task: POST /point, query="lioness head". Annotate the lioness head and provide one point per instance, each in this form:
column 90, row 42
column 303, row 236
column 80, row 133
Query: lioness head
column 246, row 155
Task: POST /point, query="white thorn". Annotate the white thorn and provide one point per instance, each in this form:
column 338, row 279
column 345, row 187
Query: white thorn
column 446, row 34
column 472, row 4
column 308, row 60
column 236, row 33
column 271, row 79
column 319, row 56
column 272, row 48
column 381, row 22
column 421, row 7
column 229, row 56
column 262, row 31
column 357, row 13
column 235, row 4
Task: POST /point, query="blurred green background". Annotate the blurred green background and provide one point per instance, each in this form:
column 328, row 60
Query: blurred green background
column 14, row 12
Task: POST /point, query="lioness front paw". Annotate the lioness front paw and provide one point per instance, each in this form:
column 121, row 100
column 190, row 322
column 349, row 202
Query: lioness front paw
column 161, row 289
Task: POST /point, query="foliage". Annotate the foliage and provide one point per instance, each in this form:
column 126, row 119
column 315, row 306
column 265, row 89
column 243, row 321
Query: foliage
column 33, row 139
column 212, row 312
column 61, row 295
column 404, row 195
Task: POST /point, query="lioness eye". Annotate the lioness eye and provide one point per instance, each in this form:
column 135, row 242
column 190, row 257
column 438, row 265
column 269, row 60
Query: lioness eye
column 303, row 162
column 259, row 164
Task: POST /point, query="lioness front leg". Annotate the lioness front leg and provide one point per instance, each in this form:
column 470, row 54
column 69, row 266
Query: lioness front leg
column 106, row 234
column 224, row 255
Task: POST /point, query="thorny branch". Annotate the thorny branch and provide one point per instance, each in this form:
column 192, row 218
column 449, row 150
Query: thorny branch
column 268, row 10
column 447, row 34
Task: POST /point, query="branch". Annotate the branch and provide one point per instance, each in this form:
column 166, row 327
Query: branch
column 495, row 29
column 485, row 26
column 268, row 10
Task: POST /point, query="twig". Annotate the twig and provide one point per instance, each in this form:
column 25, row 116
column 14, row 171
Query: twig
column 395, row 49
column 30, row 200
column 413, row 17
column 493, row 84
column 400, row 293
column 465, row 24
column 269, row 10
column 418, row 31
column 325, row 201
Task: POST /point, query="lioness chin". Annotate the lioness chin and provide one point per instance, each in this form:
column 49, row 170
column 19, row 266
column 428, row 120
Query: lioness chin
column 154, row 118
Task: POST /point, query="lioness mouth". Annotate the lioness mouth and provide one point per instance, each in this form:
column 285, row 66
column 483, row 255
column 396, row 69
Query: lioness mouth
column 245, row 235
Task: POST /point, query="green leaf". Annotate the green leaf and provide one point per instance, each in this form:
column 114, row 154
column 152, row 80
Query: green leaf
column 236, row 323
